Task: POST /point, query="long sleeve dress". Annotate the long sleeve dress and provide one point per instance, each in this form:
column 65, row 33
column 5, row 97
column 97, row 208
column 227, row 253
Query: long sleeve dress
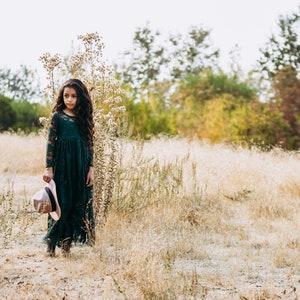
column 69, row 156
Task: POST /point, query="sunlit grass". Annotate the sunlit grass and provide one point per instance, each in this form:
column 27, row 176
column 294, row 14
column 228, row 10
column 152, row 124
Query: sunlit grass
column 188, row 220
column 22, row 154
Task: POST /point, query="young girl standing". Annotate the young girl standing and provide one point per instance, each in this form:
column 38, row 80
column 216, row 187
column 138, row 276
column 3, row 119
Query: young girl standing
column 69, row 161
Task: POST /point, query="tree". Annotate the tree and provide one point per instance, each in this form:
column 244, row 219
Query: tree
column 258, row 124
column 280, row 62
column 7, row 114
column 192, row 54
column 144, row 62
column 286, row 89
column 153, row 59
column 283, row 49
column 205, row 104
column 19, row 85
column 151, row 116
column 27, row 115
column 208, row 85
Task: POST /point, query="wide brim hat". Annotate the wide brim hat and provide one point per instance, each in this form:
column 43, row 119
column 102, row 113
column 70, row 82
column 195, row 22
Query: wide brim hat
column 45, row 201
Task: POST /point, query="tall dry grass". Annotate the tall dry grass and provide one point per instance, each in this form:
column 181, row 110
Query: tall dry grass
column 188, row 220
column 22, row 154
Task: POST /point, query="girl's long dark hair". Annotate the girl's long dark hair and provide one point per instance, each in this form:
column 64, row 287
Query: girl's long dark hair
column 83, row 109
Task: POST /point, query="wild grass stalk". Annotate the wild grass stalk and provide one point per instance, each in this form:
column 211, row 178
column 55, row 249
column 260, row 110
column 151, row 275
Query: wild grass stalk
column 15, row 217
column 6, row 217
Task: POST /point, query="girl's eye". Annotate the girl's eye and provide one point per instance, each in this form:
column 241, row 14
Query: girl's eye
column 70, row 96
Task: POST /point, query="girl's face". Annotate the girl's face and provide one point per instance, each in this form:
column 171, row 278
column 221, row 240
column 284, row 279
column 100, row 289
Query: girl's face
column 70, row 98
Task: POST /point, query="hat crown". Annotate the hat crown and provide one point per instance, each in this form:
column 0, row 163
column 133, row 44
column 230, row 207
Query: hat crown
column 45, row 201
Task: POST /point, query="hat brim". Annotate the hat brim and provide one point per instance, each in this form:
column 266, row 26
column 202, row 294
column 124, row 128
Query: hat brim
column 57, row 213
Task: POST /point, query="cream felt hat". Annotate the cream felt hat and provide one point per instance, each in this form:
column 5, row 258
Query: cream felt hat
column 45, row 201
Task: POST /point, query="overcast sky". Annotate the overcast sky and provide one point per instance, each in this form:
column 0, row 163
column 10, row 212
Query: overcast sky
column 29, row 28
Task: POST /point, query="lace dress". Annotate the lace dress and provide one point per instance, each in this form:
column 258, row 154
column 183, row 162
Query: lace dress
column 68, row 154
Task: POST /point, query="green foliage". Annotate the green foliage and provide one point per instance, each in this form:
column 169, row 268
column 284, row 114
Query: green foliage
column 280, row 62
column 223, row 119
column 211, row 105
column 27, row 115
column 199, row 99
column 220, row 108
column 258, row 124
column 20, row 115
column 151, row 116
column 146, row 121
column 20, row 84
column 152, row 58
column 286, row 89
column 7, row 114
column 207, row 85
column 174, row 86
column 192, row 54
column 17, row 113
column 282, row 50
column 206, row 103
column 194, row 99
column 145, row 61
column 215, row 123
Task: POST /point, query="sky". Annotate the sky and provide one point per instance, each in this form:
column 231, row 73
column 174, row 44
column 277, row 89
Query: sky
column 30, row 28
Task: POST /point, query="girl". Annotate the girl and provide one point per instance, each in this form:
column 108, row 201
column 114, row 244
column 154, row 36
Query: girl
column 69, row 161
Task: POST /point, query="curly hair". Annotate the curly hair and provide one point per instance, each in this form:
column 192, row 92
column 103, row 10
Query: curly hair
column 83, row 108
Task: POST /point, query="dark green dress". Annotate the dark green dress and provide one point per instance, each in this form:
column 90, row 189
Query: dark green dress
column 68, row 154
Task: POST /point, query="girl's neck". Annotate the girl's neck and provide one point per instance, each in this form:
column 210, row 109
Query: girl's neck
column 70, row 112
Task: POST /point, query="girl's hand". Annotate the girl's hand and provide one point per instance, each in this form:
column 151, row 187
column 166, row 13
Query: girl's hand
column 48, row 175
column 90, row 177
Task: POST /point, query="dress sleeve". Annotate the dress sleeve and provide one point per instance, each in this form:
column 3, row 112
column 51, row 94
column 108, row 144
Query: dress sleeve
column 52, row 137
column 91, row 156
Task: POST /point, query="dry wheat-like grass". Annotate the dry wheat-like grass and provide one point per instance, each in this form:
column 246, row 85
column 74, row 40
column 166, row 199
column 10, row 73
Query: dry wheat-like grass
column 188, row 220
column 22, row 154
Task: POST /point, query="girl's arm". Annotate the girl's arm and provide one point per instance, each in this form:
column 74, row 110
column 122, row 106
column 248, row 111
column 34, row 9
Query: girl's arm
column 52, row 136
column 90, row 177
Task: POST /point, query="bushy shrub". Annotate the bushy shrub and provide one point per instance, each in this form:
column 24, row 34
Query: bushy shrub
column 7, row 114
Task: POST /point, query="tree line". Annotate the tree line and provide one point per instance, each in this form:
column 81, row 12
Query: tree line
column 174, row 86
column 18, row 112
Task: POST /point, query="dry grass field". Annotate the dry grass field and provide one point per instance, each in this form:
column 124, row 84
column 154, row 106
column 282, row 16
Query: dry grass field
column 188, row 220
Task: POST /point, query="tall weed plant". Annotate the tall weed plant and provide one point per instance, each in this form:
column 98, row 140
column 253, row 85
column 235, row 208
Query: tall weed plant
column 88, row 65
